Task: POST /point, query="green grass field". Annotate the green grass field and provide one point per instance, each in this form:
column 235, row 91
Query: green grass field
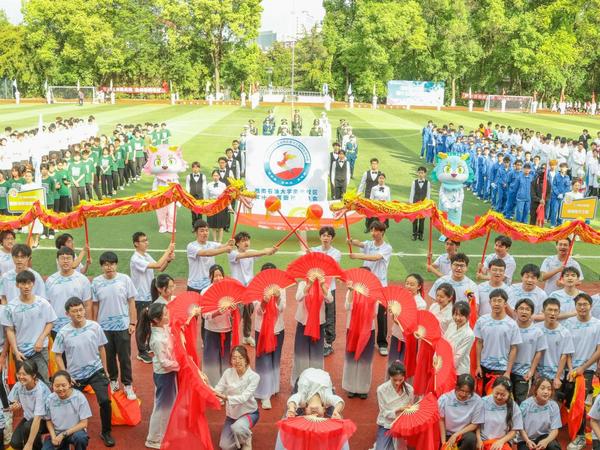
column 393, row 136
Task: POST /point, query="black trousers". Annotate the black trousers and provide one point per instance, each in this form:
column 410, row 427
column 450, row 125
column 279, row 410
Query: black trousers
column 99, row 384
column 130, row 170
column 97, row 183
column 107, row 185
column 382, row 327
column 468, row 441
column 77, row 194
column 119, row 348
column 89, row 191
column 330, row 321
column 142, row 345
column 247, row 311
column 520, row 388
column 533, row 212
column 139, row 164
column 338, row 191
column 21, row 434
column 554, row 445
column 65, row 204
column 418, row 227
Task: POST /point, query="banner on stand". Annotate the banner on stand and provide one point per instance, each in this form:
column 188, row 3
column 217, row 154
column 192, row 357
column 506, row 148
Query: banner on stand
column 415, row 93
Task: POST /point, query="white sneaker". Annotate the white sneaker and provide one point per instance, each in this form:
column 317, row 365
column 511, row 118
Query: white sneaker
column 152, row 444
column 114, row 386
column 577, row 444
column 250, row 341
column 383, row 351
column 130, row 393
column 266, row 403
column 43, row 236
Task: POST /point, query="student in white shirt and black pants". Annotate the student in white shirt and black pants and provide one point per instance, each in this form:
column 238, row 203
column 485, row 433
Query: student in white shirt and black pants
column 420, row 190
column 340, row 175
column 195, row 184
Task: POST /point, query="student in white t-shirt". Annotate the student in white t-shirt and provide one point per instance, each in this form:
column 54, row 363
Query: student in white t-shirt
column 501, row 417
column 441, row 266
column 28, row 395
column 82, row 342
column 528, row 288
column 67, row 414
column 7, row 240
column 552, row 266
column 113, row 306
column 496, row 280
column 460, row 412
column 529, row 351
column 241, row 265
column 501, row 246
column 497, row 339
column 376, row 255
column 464, row 288
column 28, row 320
column 541, row 419
column 566, row 295
column 201, row 256
column 141, row 271
column 560, row 344
column 63, row 285
column 21, row 255
column 66, row 240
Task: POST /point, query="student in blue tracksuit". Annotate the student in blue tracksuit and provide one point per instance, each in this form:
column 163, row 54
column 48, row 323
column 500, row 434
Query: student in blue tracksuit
column 472, row 162
column 502, row 184
column 560, row 186
column 425, row 137
column 450, row 140
column 490, row 169
column 482, row 172
column 523, row 187
column 440, row 141
column 497, row 165
column 509, row 208
column 430, row 149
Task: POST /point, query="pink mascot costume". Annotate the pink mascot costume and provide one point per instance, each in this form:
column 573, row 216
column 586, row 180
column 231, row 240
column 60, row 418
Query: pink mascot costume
column 165, row 162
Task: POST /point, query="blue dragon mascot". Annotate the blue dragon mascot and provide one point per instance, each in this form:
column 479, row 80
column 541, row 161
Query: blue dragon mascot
column 452, row 171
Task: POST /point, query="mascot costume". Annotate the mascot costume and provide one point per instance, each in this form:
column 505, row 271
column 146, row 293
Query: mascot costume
column 165, row 162
column 452, row 171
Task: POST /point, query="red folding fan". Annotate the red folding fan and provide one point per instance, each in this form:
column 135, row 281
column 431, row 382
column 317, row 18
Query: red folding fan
column 181, row 307
column 314, row 265
column 401, row 304
column 417, row 418
column 364, row 282
column 266, row 284
column 224, row 294
column 311, row 432
column 443, row 366
column 428, row 327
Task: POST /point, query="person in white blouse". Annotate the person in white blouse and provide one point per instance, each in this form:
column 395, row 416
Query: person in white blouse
column 393, row 397
column 381, row 192
column 445, row 296
column 236, row 388
column 268, row 362
column 461, row 337
column 307, row 351
column 219, row 221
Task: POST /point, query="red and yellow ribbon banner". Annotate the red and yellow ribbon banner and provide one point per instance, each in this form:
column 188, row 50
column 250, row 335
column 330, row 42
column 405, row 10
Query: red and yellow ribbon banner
column 397, row 211
column 149, row 201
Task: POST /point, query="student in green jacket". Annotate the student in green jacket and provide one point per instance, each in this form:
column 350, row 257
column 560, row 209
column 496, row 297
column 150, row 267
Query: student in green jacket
column 106, row 173
column 90, row 170
column 55, row 194
column 49, row 186
column 114, row 171
column 63, row 186
column 95, row 154
column 77, row 173
column 129, row 161
column 138, row 146
column 120, row 154
column 4, row 187
column 165, row 134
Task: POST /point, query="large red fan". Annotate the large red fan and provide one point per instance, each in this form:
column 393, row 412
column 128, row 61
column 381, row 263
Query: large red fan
column 428, row 327
column 224, row 294
column 266, row 283
column 182, row 306
column 314, row 265
column 365, row 283
column 311, row 432
column 401, row 304
column 416, row 419
column 443, row 366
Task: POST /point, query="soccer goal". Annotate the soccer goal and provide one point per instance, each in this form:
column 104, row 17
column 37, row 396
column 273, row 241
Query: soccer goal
column 70, row 94
column 507, row 103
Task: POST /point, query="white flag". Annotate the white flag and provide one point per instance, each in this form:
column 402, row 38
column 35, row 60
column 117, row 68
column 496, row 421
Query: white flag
column 15, row 83
column 350, row 89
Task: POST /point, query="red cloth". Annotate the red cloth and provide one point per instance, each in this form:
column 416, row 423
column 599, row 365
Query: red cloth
column 410, row 354
column 267, row 342
column 426, row 440
column 424, row 369
column 187, row 423
column 235, row 327
column 577, row 407
column 313, row 302
column 361, row 320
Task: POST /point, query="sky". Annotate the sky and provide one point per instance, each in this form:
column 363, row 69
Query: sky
column 277, row 15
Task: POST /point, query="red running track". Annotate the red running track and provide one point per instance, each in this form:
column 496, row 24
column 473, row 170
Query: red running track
column 362, row 412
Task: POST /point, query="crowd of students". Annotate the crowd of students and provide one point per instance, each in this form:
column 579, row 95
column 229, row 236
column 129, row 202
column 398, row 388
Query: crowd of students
column 509, row 166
